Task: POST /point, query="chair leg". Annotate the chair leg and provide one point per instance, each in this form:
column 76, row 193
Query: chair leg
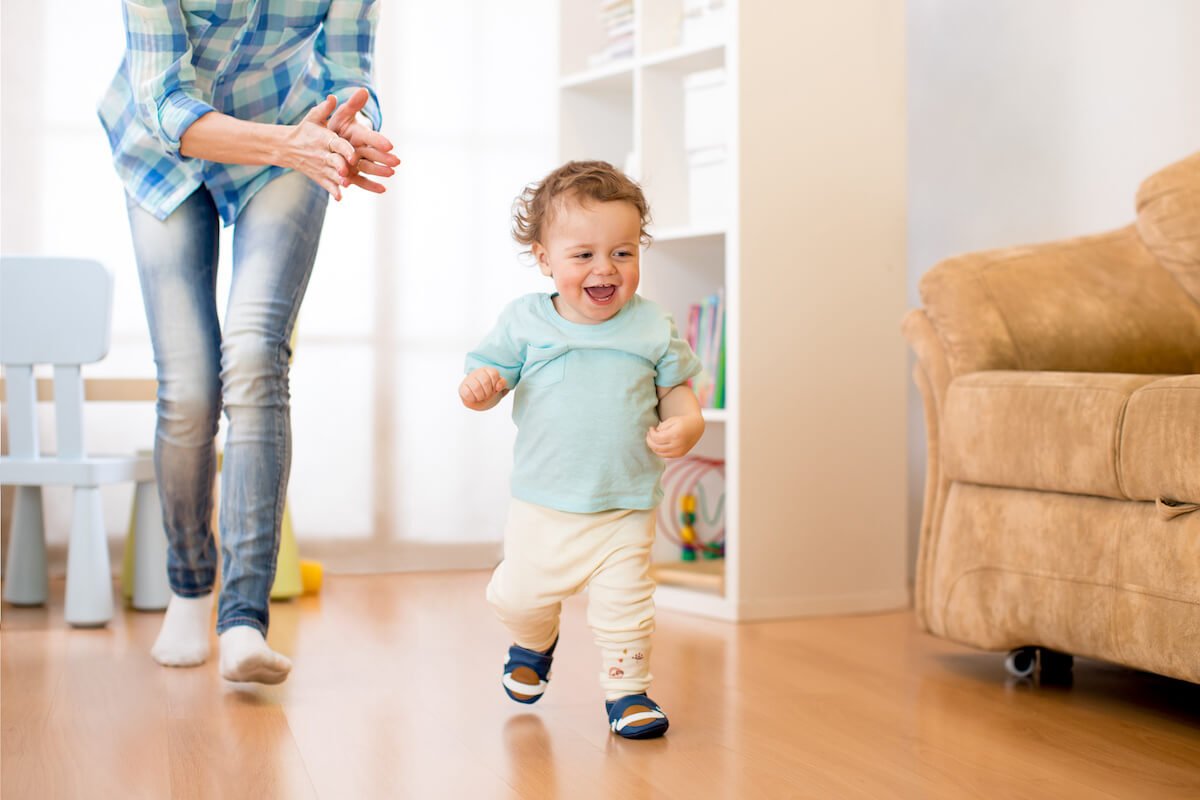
column 151, row 591
column 25, row 582
column 89, row 576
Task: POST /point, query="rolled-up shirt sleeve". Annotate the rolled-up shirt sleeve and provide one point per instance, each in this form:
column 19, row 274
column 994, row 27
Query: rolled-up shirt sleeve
column 161, row 73
column 345, row 49
column 678, row 362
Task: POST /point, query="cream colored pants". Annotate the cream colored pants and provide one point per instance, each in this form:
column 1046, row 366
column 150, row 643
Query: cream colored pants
column 550, row 555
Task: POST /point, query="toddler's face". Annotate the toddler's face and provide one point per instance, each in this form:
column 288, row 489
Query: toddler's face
column 591, row 251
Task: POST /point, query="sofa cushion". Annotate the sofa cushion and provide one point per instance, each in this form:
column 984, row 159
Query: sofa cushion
column 1168, row 219
column 1160, row 441
column 1054, row 431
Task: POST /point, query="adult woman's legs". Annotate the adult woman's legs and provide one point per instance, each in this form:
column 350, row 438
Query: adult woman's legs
column 177, row 260
column 275, row 244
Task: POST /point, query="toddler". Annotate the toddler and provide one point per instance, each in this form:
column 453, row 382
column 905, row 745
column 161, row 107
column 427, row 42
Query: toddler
column 599, row 377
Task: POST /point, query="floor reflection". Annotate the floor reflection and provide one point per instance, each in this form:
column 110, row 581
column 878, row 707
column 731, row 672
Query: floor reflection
column 530, row 757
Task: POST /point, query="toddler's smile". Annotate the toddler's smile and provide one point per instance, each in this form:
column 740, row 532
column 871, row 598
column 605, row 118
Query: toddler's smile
column 602, row 294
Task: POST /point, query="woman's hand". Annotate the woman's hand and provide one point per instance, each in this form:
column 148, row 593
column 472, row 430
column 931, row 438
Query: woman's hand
column 482, row 389
column 372, row 150
column 319, row 152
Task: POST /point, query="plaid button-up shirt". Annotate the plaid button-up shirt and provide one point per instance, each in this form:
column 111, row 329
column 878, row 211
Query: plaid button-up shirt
column 256, row 60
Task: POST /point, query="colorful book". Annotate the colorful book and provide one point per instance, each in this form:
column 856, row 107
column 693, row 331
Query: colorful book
column 706, row 335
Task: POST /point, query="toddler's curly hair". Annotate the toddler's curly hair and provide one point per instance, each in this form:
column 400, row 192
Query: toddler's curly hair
column 575, row 180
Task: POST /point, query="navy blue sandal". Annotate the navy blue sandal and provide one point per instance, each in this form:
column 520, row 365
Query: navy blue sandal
column 639, row 725
column 527, row 672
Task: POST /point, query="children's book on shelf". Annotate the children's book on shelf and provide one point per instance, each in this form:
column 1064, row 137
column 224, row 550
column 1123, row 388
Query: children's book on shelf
column 706, row 335
column 617, row 18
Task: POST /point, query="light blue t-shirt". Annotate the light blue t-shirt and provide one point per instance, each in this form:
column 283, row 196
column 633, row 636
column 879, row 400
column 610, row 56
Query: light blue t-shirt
column 584, row 399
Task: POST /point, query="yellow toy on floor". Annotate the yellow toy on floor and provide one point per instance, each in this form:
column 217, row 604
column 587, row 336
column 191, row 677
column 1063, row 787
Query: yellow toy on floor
column 293, row 576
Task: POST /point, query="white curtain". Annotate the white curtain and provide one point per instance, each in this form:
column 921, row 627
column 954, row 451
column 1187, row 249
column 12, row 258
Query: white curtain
column 389, row 471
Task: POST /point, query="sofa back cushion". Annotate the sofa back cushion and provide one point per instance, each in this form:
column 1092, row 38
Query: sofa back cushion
column 1099, row 303
column 1168, row 219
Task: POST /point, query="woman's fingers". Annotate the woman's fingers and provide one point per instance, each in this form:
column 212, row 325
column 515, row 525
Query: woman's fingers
column 374, row 140
column 378, row 156
column 331, row 186
column 365, row 183
column 345, row 113
column 340, row 147
column 319, row 113
column 370, row 167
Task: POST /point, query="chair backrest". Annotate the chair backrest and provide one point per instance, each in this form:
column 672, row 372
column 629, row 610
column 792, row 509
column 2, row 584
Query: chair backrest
column 52, row 311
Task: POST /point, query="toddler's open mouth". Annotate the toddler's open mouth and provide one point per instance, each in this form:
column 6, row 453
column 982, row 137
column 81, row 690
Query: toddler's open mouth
column 601, row 294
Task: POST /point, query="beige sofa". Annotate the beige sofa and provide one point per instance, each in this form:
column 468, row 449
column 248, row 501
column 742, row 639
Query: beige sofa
column 1061, row 385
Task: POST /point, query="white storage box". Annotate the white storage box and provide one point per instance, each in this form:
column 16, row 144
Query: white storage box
column 703, row 23
column 705, row 110
column 708, row 187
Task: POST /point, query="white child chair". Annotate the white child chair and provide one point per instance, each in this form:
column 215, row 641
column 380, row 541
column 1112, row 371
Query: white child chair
column 58, row 311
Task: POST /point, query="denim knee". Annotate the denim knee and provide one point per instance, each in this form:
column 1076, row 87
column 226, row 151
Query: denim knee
column 254, row 370
column 189, row 408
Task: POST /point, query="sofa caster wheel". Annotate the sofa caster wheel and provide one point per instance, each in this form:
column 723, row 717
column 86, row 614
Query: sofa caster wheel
column 1055, row 667
column 1050, row 665
column 1021, row 662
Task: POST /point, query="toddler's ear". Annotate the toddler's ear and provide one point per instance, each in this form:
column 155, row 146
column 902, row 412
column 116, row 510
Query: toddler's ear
column 543, row 259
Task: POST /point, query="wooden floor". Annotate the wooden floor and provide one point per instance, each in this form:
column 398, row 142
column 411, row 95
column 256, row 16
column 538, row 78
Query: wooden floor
column 396, row 694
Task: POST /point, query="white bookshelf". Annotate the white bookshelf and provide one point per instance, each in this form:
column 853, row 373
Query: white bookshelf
column 633, row 113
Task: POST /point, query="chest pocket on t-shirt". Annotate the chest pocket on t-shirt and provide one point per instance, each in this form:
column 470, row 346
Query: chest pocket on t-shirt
column 544, row 366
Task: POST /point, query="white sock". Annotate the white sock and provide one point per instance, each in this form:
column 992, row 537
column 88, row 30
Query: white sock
column 183, row 639
column 245, row 656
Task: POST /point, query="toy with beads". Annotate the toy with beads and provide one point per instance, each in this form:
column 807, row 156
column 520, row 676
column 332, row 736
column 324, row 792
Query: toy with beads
column 694, row 530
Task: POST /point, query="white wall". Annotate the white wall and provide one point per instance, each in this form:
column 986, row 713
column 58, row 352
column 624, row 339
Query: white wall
column 1032, row 120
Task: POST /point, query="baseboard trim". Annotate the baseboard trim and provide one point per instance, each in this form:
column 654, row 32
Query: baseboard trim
column 402, row 556
column 344, row 558
column 896, row 599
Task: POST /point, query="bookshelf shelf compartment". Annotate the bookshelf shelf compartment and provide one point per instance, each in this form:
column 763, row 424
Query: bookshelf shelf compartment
column 685, row 233
column 596, row 118
column 605, row 77
column 682, row 60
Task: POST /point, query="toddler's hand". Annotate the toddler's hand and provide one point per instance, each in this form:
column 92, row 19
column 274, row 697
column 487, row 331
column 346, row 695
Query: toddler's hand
column 674, row 437
column 482, row 389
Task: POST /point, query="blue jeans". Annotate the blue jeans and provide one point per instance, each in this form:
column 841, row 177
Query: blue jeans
column 243, row 369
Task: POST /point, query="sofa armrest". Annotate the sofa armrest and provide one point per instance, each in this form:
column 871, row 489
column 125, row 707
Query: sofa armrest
column 931, row 373
column 1092, row 304
column 931, row 356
